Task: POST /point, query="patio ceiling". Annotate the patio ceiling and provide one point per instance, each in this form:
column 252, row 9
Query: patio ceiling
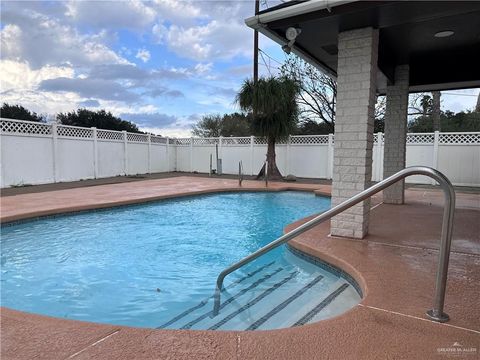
column 406, row 31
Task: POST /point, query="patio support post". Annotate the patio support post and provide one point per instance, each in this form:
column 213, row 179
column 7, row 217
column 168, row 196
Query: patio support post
column 356, row 98
column 396, row 133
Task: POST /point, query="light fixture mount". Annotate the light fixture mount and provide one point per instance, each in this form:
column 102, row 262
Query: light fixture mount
column 444, row 33
column 292, row 33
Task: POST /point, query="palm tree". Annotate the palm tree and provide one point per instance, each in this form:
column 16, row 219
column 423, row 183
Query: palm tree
column 275, row 112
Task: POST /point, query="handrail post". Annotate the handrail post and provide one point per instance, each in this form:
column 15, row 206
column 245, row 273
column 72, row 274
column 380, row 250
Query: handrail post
column 436, row 313
column 266, row 173
column 240, row 173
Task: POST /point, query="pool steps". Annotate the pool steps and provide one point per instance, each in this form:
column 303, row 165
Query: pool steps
column 272, row 297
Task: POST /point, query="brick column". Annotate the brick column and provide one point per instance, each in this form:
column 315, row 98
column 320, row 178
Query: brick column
column 396, row 133
column 356, row 98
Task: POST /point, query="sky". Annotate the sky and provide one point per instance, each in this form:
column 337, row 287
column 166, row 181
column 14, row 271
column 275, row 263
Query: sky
column 162, row 64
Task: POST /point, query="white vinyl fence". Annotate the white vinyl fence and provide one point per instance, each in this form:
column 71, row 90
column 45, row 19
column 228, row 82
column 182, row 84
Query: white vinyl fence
column 37, row 153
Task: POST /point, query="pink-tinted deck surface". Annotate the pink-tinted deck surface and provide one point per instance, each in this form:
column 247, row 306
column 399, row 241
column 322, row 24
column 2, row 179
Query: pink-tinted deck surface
column 395, row 265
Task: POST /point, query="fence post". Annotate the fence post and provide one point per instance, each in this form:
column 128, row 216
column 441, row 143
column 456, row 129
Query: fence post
column 95, row 153
column 220, row 146
column 167, row 149
column 55, row 152
column 149, row 156
column 287, row 156
column 382, row 153
column 191, row 154
column 330, row 157
column 378, row 165
column 436, row 138
column 125, row 152
column 252, row 142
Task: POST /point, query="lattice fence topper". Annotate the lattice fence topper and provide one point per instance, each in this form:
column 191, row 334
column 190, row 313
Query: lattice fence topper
column 419, row 139
column 459, row 138
column 158, row 139
column 109, row 135
column 309, row 139
column 259, row 141
column 11, row 126
column 183, row 141
column 205, row 141
column 236, row 141
column 376, row 136
column 134, row 137
column 25, row 127
column 74, row 131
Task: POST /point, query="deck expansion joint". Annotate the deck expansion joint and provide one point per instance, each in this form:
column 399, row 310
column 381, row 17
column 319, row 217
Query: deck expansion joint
column 93, row 344
column 419, row 318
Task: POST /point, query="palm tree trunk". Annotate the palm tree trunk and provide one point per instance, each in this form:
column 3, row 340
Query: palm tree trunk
column 273, row 172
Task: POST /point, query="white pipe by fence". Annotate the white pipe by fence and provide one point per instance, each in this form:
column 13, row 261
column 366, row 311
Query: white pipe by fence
column 37, row 153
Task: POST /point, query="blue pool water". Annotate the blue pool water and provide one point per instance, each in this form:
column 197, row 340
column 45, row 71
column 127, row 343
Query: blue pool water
column 143, row 265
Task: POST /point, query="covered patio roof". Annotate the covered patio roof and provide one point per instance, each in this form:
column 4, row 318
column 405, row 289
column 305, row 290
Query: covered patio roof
column 407, row 32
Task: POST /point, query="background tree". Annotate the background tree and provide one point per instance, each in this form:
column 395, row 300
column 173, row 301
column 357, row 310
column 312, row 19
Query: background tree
column 276, row 112
column 428, row 107
column 317, row 98
column 318, row 92
column 100, row 119
column 209, row 126
column 312, row 127
column 235, row 124
column 20, row 113
column 449, row 122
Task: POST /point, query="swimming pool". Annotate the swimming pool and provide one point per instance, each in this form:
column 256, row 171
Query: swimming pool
column 155, row 265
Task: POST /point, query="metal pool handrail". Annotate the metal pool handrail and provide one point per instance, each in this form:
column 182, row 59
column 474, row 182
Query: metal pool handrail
column 436, row 313
column 266, row 173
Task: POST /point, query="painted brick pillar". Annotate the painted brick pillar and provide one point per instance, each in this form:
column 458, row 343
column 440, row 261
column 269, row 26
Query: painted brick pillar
column 396, row 133
column 356, row 98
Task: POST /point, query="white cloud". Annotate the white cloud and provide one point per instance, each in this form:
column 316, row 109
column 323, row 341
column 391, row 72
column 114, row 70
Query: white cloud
column 173, row 132
column 179, row 12
column 459, row 100
column 40, row 40
column 203, row 68
column 216, row 40
column 17, row 75
column 108, row 14
column 159, row 32
column 143, row 55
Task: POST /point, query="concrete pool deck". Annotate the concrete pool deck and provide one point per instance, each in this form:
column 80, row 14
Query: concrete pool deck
column 395, row 265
